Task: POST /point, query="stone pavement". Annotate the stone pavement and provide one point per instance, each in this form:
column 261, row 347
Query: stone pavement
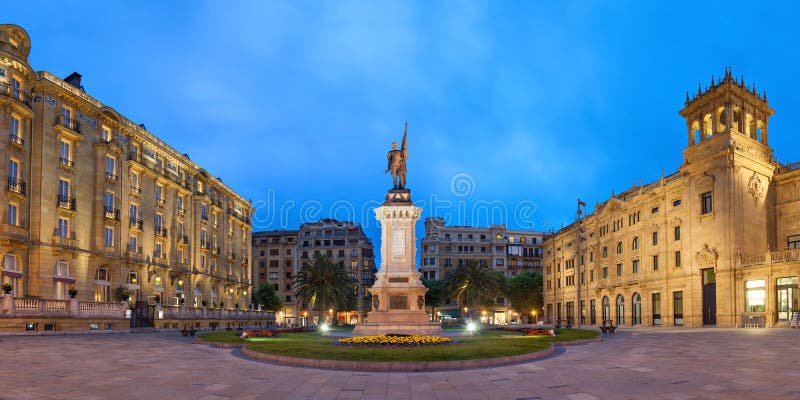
column 671, row 364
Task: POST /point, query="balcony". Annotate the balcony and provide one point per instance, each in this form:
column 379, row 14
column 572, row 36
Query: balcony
column 161, row 232
column 135, row 254
column 772, row 257
column 136, row 190
column 215, row 251
column 65, row 203
column 17, row 186
column 183, row 239
column 62, row 240
column 111, row 176
column 16, row 94
column 111, row 213
column 161, row 202
column 180, row 210
column 136, row 223
column 205, row 245
column 69, row 123
column 15, row 232
column 66, row 162
column 15, row 139
column 160, row 259
column 231, row 256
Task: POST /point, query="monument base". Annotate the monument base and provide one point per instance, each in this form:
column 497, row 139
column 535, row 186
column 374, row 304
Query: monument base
column 402, row 328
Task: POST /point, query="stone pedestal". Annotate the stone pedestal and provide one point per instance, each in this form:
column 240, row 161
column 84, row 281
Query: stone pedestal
column 398, row 295
column 8, row 304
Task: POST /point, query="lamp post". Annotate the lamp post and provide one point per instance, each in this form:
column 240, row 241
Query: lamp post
column 581, row 230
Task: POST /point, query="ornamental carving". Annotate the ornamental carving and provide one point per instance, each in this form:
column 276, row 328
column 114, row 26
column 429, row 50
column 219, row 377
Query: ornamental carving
column 706, row 257
column 755, row 187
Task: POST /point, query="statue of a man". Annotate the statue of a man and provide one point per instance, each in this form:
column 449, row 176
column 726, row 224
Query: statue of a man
column 397, row 162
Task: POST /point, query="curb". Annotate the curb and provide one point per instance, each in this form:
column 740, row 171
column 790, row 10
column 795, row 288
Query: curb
column 579, row 342
column 218, row 344
column 392, row 366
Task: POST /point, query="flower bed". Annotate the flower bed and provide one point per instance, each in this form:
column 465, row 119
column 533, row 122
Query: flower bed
column 528, row 331
column 383, row 340
column 270, row 333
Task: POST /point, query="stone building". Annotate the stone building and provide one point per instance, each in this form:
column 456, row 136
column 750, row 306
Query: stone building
column 275, row 262
column 713, row 244
column 502, row 250
column 347, row 245
column 97, row 203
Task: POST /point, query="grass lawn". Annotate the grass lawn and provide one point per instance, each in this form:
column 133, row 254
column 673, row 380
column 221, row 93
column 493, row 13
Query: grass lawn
column 487, row 344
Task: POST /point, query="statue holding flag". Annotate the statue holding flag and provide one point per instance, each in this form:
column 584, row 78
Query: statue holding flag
column 397, row 162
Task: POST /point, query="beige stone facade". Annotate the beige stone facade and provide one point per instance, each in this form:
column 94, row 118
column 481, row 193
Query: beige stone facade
column 503, row 250
column 98, row 203
column 712, row 244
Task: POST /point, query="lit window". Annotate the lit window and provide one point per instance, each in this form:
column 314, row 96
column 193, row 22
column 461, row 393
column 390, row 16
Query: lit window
column 755, row 295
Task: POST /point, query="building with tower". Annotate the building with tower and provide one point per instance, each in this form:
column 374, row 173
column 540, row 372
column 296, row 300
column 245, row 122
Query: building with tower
column 713, row 244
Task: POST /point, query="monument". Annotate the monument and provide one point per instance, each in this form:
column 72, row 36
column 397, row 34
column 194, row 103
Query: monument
column 398, row 295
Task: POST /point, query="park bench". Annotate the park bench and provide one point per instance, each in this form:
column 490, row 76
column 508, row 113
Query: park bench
column 188, row 331
column 607, row 326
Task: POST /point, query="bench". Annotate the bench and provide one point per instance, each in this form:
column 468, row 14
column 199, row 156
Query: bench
column 607, row 326
column 188, row 331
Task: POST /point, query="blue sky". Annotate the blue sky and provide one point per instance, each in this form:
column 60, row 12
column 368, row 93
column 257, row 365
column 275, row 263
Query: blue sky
column 519, row 107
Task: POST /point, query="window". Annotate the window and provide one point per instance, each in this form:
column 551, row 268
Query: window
column 655, row 263
column 620, row 310
column 654, row 210
column 656, row 308
column 108, row 236
column 13, row 174
column 605, row 272
column 635, row 266
column 159, row 222
column 203, row 211
column 105, row 133
column 63, row 227
column 499, row 262
column 159, row 193
column 655, row 238
column 619, row 248
column 605, row 252
column 635, row 244
column 13, row 130
column 273, row 275
column 676, row 203
column 12, row 215
column 10, row 264
column 619, row 269
column 793, row 242
column 102, row 287
column 706, row 203
column 132, row 243
column 637, row 309
column 677, row 301
column 64, row 153
column 677, row 259
column 677, row 233
column 111, row 168
column 755, row 295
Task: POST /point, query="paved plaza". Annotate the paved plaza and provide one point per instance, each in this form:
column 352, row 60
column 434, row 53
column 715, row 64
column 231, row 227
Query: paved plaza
column 669, row 364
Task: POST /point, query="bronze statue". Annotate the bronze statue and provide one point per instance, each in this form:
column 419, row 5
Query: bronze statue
column 397, row 162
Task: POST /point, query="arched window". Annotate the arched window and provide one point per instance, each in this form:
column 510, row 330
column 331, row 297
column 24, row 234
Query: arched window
column 620, row 310
column 606, row 309
column 635, row 244
column 619, row 248
column 605, row 252
column 637, row 309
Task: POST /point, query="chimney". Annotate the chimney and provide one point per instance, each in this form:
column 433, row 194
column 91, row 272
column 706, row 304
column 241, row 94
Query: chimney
column 74, row 79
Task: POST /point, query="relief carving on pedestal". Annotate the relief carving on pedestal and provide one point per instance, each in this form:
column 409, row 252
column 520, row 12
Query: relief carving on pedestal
column 420, row 302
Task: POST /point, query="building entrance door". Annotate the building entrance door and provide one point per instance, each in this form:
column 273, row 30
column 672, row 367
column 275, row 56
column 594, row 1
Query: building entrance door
column 786, row 290
column 709, row 297
column 143, row 315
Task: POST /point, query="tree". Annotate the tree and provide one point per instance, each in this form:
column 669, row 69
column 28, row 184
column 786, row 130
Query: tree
column 433, row 297
column 324, row 285
column 474, row 285
column 267, row 297
column 524, row 293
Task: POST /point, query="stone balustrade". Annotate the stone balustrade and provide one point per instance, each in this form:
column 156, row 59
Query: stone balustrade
column 182, row 312
column 35, row 307
column 771, row 257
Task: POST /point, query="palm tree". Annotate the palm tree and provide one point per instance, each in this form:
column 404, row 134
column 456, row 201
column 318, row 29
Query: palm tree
column 433, row 297
column 323, row 285
column 474, row 285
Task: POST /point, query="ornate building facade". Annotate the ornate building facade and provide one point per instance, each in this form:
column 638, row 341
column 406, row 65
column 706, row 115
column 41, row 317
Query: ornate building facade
column 712, row 244
column 96, row 203
column 503, row 250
